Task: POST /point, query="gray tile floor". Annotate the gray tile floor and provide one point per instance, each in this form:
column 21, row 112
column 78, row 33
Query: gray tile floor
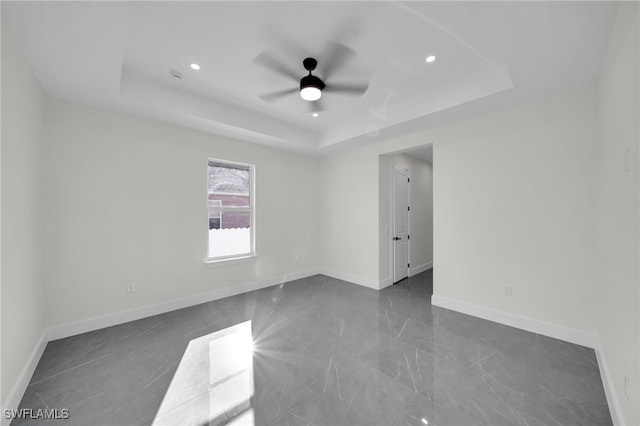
column 318, row 351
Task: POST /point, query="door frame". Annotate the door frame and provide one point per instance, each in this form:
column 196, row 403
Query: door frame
column 392, row 218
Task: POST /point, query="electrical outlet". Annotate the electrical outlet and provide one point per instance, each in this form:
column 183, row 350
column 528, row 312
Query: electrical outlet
column 131, row 288
column 627, row 388
column 508, row 291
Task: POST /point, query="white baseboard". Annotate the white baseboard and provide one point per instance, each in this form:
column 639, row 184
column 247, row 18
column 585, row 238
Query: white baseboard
column 15, row 395
column 96, row 323
column 366, row 282
column 525, row 323
column 617, row 416
column 385, row 283
column 421, row 268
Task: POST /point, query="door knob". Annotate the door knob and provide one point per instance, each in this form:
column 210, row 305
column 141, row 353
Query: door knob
column 396, row 238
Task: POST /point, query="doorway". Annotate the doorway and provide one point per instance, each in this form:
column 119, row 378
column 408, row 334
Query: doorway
column 406, row 213
column 400, row 220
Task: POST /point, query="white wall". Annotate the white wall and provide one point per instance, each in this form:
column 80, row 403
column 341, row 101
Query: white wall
column 127, row 204
column 349, row 221
column 420, row 215
column 514, row 206
column 618, row 191
column 23, row 216
column 513, row 203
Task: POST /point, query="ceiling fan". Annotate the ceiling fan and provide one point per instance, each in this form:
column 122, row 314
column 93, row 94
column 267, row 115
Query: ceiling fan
column 311, row 87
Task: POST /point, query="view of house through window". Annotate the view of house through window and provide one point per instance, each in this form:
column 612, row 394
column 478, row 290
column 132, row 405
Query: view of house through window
column 230, row 209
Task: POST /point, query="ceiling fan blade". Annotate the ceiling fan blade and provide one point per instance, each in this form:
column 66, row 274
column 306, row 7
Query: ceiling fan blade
column 334, row 57
column 347, row 89
column 274, row 96
column 275, row 36
column 267, row 60
column 316, row 106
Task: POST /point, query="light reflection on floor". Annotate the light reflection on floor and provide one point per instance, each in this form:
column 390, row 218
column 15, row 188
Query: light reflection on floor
column 213, row 384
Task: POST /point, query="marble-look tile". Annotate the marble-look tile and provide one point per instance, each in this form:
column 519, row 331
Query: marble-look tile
column 65, row 354
column 93, row 410
column 140, row 378
column 74, row 384
column 277, row 389
column 408, row 365
column 290, row 419
column 320, row 352
column 199, row 411
column 416, row 409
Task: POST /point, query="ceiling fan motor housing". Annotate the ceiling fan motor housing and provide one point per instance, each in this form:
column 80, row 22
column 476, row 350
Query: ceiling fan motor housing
column 311, row 81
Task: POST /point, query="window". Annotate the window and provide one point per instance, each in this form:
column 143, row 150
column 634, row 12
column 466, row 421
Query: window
column 230, row 203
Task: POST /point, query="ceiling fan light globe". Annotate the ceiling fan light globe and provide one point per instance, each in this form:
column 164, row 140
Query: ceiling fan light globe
column 310, row 93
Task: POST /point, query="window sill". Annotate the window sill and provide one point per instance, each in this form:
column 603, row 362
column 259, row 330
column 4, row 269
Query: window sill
column 231, row 260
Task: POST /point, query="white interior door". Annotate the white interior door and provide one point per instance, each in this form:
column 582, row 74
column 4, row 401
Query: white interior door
column 400, row 224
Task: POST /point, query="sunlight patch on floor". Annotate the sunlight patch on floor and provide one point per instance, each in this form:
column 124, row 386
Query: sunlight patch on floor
column 213, row 384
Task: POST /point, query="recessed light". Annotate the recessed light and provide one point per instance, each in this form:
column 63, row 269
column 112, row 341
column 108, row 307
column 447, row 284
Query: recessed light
column 315, row 114
column 430, row 59
column 195, row 67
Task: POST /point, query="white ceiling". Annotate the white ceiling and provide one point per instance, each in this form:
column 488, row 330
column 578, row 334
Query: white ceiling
column 489, row 55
